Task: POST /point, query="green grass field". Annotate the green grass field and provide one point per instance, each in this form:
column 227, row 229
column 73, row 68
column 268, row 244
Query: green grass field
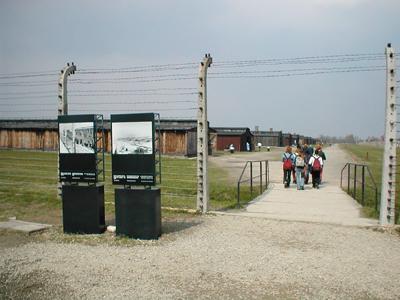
column 372, row 156
column 28, row 186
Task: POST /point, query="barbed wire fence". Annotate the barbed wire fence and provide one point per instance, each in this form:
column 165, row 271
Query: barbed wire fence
column 169, row 89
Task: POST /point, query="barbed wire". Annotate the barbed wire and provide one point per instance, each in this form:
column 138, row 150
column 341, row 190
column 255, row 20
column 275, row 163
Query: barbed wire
column 29, row 93
column 191, row 65
column 167, row 101
column 53, row 116
column 119, row 81
column 22, row 83
column 141, row 110
column 296, row 74
column 28, row 97
column 136, row 102
column 140, row 90
column 33, row 84
column 95, row 110
column 102, row 78
column 128, row 93
column 133, row 91
column 140, row 67
column 30, row 110
column 349, row 68
column 80, row 72
column 167, row 73
column 351, row 55
column 27, row 75
column 291, row 62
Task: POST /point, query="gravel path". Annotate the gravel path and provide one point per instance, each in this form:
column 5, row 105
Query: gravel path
column 212, row 257
column 221, row 257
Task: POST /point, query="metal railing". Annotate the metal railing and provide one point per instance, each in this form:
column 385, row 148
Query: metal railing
column 358, row 181
column 254, row 174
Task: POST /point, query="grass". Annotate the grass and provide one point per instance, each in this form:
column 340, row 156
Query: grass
column 28, row 186
column 372, row 156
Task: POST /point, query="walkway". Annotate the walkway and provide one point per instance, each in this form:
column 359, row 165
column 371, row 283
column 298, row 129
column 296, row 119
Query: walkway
column 329, row 204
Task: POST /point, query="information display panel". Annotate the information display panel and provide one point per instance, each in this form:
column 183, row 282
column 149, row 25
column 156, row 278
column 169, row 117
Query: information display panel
column 133, row 149
column 77, row 148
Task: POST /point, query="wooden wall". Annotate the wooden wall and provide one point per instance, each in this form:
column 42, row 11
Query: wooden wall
column 223, row 142
column 173, row 142
column 267, row 140
column 29, row 139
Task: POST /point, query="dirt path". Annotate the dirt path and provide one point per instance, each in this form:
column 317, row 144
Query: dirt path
column 336, row 159
column 235, row 162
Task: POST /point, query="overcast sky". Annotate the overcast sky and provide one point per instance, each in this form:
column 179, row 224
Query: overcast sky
column 38, row 36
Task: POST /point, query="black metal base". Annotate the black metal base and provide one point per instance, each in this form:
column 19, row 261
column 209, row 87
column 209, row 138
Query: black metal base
column 138, row 213
column 83, row 209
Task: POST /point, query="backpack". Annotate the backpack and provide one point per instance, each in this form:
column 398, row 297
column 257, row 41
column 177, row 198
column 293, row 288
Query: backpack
column 300, row 162
column 316, row 166
column 287, row 163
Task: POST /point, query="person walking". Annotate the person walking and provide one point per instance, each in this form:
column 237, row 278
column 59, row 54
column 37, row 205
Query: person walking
column 323, row 156
column 288, row 164
column 308, row 152
column 294, row 175
column 300, row 167
column 315, row 164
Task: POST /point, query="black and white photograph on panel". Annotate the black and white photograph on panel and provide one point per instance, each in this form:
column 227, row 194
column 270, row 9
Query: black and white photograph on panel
column 76, row 137
column 77, row 148
column 132, row 138
column 133, row 149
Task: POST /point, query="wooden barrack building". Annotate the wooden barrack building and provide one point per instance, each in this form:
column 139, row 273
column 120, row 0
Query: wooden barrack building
column 178, row 137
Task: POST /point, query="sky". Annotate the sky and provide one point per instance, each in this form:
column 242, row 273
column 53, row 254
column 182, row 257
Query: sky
column 125, row 38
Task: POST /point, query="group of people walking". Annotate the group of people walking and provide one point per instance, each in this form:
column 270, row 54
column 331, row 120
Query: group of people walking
column 301, row 163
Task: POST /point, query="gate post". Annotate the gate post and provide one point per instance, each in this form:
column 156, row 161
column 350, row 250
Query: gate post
column 387, row 215
column 62, row 89
column 202, row 138
column 63, row 104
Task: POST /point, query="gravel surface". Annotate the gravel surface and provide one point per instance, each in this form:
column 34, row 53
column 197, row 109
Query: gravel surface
column 211, row 257
column 220, row 257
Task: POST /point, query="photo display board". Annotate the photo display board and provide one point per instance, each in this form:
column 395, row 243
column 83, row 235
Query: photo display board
column 133, row 149
column 77, row 148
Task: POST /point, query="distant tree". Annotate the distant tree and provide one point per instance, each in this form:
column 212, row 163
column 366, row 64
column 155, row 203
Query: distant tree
column 349, row 138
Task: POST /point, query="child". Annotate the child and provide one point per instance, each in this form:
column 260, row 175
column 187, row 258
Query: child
column 308, row 152
column 315, row 164
column 323, row 156
column 288, row 164
column 300, row 167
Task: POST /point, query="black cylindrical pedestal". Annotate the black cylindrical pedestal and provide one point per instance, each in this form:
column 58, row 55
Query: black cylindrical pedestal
column 138, row 213
column 83, row 209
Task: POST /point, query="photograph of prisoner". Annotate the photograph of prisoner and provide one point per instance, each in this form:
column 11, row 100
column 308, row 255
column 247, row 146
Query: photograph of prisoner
column 132, row 138
column 76, row 137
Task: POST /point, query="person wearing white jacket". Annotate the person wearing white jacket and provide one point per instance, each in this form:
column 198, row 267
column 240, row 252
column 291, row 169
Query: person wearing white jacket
column 316, row 164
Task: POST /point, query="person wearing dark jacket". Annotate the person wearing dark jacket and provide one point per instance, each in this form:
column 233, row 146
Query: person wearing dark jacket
column 308, row 152
column 322, row 154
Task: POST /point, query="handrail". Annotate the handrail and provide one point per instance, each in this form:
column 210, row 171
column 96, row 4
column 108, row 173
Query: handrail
column 363, row 183
column 244, row 169
column 251, row 177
